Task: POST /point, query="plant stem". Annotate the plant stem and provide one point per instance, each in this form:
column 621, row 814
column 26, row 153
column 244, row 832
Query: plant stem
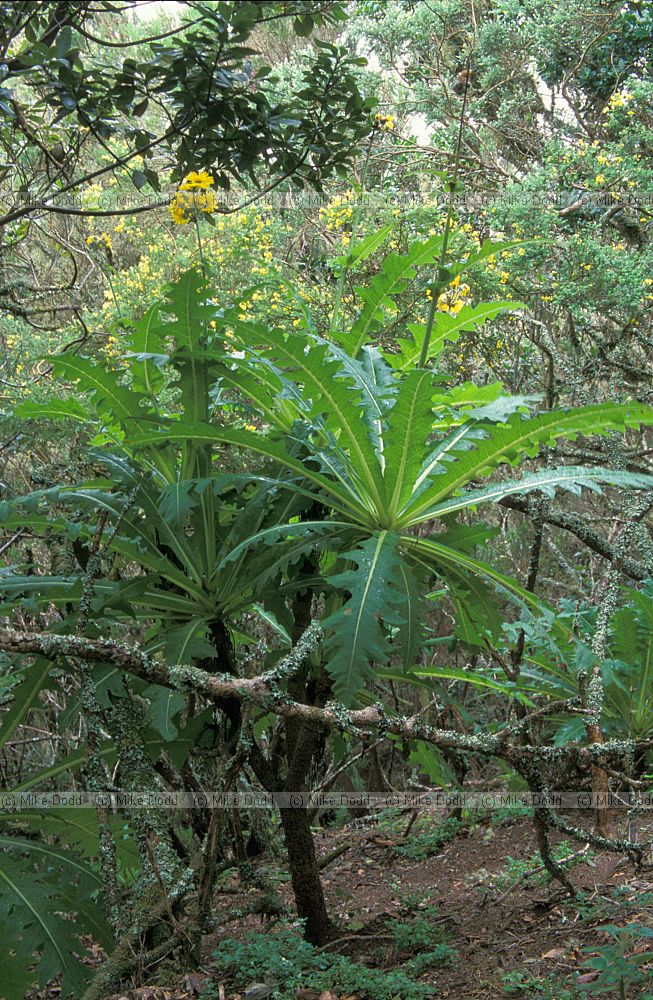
column 439, row 284
column 199, row 243
column 340, row 288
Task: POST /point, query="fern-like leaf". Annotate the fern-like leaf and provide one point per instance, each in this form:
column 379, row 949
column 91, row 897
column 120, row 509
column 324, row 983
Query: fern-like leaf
column 509, row 442
column 376, row 600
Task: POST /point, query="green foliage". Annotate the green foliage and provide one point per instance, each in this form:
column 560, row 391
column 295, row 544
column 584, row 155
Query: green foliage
column 46, row 903
column 428, row 839
column 432, row 958
column 531, row 868
column 521, row 983
column 263, row 428
column 557, row 666
column 173, row 94
column 618, row 964
column 359, row 467
column 618, row 53
column 351, row 433
column 418, row 931
column 287, row 962
column 49, row 886
column 356, row 436
column 358, row 637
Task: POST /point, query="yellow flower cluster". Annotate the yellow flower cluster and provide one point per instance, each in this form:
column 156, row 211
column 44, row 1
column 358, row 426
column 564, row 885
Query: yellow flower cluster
column 103, row 240
column 253, row 236
column 193, row 195
column 618, row 100
column 337, row 215
column 112, row 347
column 605, row 160
column 456, row 226
column 385, row 123
column 454, row 297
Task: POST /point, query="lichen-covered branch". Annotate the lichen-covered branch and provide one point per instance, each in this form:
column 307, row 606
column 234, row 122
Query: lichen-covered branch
column 575, row 524
column 264, row 692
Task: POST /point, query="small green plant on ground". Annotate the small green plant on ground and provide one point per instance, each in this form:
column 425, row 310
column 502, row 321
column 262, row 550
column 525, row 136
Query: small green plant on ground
column 442, row 954
column 623, row 902
column 618, row 964
column 531, row 868
column 285, row 962
column 418, row 928
column 520, row 983
column 509, row 815
column 428, row 839
column 622, row 971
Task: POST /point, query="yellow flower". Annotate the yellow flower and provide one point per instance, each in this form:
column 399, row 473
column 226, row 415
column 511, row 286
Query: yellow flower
column 194, row 179
column 599, row 179
column 177, row 212
column 103, row 240
column 385, row 123
column 187, row 202
column 618, row 100
column 453, row 298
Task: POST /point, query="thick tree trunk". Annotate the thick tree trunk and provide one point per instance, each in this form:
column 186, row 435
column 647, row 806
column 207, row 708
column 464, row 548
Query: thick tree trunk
column 302, row 861
column 301, row 743
column 305, row 876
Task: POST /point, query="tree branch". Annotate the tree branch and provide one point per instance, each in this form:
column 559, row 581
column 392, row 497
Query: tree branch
column 264, row 692
column 577, row 526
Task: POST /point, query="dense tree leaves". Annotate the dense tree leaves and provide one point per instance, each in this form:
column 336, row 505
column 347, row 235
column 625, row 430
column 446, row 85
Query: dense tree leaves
column 208, row 107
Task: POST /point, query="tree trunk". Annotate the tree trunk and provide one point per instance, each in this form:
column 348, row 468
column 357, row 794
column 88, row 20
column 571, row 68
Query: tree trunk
column 305, row 876
column 600, row 787
column 301, row 743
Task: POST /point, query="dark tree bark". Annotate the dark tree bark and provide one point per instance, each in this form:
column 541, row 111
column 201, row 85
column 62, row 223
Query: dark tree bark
column 305, row 875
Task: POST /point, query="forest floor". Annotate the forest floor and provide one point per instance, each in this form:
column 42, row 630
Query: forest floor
column 503, row 915
column 483, row 893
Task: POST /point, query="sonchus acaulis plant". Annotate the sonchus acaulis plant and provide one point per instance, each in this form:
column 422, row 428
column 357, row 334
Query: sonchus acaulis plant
column 385, row 448
column 176, row 519
column 363, row 461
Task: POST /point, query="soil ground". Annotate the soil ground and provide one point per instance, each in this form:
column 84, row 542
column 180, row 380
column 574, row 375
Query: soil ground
column 498, row 922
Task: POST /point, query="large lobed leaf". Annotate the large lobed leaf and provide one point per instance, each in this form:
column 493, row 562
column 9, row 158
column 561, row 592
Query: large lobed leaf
column 380, row 596
column 447, row 327
column 45, row 907
column 475, row 451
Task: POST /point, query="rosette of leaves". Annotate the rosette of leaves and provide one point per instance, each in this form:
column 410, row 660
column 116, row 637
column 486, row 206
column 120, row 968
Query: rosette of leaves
column 393, row 457
column 220, row 520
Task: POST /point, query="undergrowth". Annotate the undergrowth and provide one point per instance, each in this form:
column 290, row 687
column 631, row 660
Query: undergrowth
column 285, row 962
